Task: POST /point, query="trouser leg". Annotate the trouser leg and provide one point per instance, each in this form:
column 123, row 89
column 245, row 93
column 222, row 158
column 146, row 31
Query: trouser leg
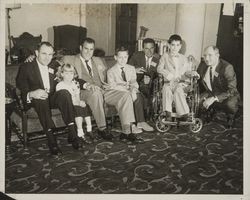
column 167, row 98
column 96, row 103
column 138, row 108
column 180, row 101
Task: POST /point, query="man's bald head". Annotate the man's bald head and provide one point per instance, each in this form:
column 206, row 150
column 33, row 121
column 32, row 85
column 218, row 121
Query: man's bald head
column 211, row 55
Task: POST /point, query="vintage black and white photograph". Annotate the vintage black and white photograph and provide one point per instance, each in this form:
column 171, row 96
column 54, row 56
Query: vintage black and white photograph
column 124, row 98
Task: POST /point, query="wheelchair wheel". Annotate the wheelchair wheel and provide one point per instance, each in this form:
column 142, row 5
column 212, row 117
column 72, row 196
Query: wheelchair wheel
column 197, row 126
column 160, row 126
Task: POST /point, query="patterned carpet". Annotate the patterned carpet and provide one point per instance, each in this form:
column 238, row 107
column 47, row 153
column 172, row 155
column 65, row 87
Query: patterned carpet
column 176, row 162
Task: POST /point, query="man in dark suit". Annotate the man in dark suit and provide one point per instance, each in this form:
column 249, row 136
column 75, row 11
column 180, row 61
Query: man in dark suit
column 36, row 80
column 218, row 84
column 145, row 63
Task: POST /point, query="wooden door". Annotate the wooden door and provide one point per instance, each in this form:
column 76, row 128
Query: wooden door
column 230, row 41
column 126, row 25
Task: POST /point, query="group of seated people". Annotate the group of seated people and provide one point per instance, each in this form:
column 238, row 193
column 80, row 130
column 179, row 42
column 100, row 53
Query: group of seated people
column 79, row 85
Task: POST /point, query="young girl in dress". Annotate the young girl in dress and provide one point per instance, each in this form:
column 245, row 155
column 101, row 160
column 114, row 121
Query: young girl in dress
column 66, row 76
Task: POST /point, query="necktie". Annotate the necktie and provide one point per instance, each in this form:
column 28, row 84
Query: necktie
column 89, row 68
column 123, row 74
column 211, row 75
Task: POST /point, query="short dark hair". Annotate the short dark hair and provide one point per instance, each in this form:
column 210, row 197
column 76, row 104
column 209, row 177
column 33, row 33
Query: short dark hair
column 88, row 40
column 174, row 37
column 148, row 40
column 122, row 48
column 48, row 44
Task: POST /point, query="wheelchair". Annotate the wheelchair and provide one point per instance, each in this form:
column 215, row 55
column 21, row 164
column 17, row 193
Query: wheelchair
column 193, row 98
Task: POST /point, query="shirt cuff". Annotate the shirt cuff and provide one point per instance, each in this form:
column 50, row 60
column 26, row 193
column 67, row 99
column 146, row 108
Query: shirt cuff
column 28, row 99
column 216, row 98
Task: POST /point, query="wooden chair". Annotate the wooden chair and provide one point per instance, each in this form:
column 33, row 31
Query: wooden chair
column 23, row 46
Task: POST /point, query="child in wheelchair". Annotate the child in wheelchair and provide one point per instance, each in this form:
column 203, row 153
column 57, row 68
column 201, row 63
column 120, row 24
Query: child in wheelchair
column 179, row 77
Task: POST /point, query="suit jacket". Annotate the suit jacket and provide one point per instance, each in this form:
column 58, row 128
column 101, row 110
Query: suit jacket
column 99, row 68
column 170, row 71
column 138, row 60
column 224, row 83
column 115, row 79
column 29, row 78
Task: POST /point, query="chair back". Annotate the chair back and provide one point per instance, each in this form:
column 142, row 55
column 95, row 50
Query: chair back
column 68, row 38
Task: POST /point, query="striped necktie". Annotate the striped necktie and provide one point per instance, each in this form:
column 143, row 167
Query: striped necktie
column 89, row 68
column 123, row 74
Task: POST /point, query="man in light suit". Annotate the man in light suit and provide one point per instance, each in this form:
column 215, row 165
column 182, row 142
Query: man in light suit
column 93, row 71
column 122, row 77
column 218, row 84
column 145, row 63
column 36, row 80
column 176, row 70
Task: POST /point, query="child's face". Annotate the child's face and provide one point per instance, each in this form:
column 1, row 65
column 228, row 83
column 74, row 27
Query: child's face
column 122, row 58
column 68, row 74
column 175, row 47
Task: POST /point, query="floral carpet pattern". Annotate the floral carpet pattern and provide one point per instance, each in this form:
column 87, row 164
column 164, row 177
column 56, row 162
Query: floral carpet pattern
column 175, row 162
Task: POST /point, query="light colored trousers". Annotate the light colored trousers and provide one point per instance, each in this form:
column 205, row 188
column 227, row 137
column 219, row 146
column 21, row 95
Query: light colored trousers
column 120, row 99
column 177, row 95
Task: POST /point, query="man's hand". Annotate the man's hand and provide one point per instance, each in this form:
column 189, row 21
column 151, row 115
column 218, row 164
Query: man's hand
column 38, row 94
column 82, row 104
column 140, row 70
column 209, row 101
column 93, row 87
column 146, row 79
column 30, row 58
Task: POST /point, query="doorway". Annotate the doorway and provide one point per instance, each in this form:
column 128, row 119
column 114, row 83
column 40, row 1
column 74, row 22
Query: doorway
column 126, row 26
column 230, row 41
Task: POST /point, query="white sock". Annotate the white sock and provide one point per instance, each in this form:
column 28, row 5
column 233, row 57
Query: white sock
column 88, row 124
column 80, row 132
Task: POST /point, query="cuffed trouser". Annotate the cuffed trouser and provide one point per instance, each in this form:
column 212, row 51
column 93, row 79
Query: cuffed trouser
column 120, row 99
column 123, row 102
column 139, row 108
column 176, row 95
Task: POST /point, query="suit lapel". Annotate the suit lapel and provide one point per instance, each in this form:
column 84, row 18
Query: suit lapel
column 37, row 74
column 216, row 75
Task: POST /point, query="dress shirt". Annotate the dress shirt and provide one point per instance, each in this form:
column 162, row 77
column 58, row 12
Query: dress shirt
column 44, row 71
column 207, row 77
column 148, row 60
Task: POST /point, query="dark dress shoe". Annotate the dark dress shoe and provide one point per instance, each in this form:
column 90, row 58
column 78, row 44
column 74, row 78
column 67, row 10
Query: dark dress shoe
column 105, row 134
column 90, row 135
column 86, row 140
column 131, row 138
column 184, row 118
column 167, row 116
column 76, row 143
column 70, row 139
column 54, row 150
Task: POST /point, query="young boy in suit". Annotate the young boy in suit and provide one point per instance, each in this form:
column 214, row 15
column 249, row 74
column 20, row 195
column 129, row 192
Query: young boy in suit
column 176, row 70
column 122, row 76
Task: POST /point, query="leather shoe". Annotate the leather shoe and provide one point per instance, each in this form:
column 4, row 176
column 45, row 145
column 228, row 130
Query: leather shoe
column 90, row 135
column 105, row 134
column 54, row 150
column 184, row 117
column 76, row 144
column 85, row 140
column 131, row 138
column 167, row 116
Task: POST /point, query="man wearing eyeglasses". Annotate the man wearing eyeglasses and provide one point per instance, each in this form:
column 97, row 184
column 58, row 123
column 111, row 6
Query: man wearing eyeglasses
column 145, row 63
